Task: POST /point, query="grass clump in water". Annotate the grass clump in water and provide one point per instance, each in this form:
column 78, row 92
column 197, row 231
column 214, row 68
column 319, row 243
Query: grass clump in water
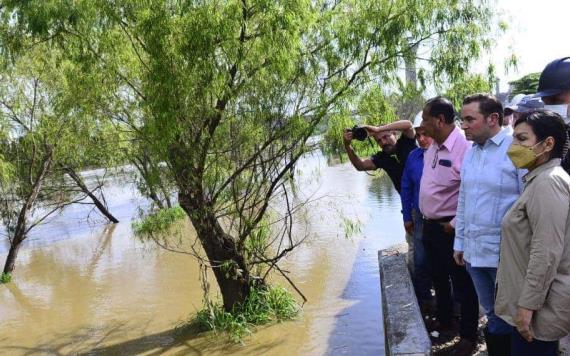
column 263, row 305
column 158, row 222
column 5, row 278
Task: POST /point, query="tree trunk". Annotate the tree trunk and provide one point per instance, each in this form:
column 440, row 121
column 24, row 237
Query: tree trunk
column 20, row 231
column 234, row 277
column 102, row 208
column 12, row 254
column 166, row 196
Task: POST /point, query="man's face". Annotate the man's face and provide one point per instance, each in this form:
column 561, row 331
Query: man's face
column 430, row 124
column 508, row 119
column 476, row 126
column 386, row 140
column 562, row 98
column 424, row 141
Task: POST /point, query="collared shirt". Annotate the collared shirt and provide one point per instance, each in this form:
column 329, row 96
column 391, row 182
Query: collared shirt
column 394, row 163
column 411, row 183
column 439, row 188
column 534, row 269
column 490, row 184
column 509, row 130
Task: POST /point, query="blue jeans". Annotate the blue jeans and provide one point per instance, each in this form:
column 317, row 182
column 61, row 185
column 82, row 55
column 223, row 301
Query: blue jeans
column 484, row 282
column 421, row 279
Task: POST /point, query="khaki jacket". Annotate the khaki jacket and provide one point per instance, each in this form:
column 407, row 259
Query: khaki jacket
column 534, row 265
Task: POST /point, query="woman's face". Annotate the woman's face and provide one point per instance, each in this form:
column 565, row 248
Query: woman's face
column 524, row 135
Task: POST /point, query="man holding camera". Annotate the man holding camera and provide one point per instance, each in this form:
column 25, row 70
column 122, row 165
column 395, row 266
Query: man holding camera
column 394, row 153
column 391, row 158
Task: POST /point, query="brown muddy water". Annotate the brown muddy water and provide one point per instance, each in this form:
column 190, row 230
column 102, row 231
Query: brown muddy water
column 81, row 287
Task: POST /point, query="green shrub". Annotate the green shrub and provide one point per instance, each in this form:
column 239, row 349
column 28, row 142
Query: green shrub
column 5, row 278
column 263, row 305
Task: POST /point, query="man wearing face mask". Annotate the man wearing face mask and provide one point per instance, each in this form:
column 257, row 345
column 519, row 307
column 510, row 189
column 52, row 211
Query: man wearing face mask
column 554, row 89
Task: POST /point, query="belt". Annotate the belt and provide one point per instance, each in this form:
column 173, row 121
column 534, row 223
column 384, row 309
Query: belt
column 437, row 221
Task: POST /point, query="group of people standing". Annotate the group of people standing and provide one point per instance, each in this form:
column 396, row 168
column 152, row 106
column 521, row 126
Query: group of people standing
column 487, row 212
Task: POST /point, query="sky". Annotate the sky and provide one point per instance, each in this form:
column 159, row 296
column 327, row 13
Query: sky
column 539, row 32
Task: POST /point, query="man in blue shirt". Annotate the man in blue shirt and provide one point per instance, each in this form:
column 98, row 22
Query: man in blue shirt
column 490, row 184
column 412, row 216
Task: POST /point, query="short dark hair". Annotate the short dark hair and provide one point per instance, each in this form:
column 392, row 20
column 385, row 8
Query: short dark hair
column 488, row 104
column 440, row 106
column 544, row 124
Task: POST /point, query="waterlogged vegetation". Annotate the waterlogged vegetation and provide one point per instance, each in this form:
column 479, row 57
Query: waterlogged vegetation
column 158, row 221
column 5, row 278
column 263, row 305
column 214, row 103
column 351, row 227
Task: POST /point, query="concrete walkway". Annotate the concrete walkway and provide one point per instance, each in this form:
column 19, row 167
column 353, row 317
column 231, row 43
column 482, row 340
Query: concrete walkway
column 401, row 249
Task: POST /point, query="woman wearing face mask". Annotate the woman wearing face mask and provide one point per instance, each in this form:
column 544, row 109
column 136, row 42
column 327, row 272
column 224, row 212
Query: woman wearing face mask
column 533, row 280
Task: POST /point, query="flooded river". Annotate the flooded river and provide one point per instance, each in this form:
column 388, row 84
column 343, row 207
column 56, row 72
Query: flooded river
column 82, row 287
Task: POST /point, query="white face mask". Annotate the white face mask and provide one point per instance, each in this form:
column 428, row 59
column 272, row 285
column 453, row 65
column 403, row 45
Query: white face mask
column 561, row 109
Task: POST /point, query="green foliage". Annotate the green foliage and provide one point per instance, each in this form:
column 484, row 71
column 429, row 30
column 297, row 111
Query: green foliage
column 225, row 95
column 263, row 305
column 351, row 227
column 158, row 222
column 258, row 240
column 407, row 102
column 470, row 84
column 5, row 278
column 373, row 109
column 528, row 84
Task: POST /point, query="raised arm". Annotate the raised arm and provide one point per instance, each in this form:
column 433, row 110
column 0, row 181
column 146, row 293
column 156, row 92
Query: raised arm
column 402, row 125
column 358, row 163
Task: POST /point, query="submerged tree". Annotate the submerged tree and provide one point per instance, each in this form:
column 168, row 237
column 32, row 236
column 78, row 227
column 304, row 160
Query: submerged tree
column 227, row 93
column 45, row 138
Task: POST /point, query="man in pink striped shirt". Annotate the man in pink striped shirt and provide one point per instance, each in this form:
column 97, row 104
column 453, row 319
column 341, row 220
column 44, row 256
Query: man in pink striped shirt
column 439, row 191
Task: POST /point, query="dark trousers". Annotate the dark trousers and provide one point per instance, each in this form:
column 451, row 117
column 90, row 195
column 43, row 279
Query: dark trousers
column 444, row 273
column 521, row 347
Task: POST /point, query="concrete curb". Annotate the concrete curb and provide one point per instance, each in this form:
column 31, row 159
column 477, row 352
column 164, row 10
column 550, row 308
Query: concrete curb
column 404, row 328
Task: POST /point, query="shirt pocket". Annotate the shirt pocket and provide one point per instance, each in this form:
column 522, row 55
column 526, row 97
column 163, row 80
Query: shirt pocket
column 445, row 176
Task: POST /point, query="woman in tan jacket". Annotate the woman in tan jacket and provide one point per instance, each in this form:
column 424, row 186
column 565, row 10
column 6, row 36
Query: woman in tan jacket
column 533, row 280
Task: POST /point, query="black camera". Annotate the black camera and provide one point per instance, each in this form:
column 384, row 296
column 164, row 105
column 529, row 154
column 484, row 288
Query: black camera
column 358, row 133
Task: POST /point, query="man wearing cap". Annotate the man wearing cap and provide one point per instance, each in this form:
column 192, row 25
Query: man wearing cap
column 439, row 191
column 554, row 89
column 490, row 184
column 520, row 104
column 412, row 216
column 508, row 113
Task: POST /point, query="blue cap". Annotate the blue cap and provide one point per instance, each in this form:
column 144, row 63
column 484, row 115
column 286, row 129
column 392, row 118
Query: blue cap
column 527, row 103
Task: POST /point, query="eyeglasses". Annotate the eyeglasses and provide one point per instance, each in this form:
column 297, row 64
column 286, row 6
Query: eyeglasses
column 434, row 163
